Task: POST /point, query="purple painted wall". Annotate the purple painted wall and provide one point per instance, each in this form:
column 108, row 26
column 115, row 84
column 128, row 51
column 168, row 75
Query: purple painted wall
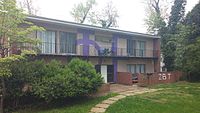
column 86, row 41
column 114, row 60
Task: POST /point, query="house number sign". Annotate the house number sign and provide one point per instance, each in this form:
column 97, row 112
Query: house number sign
column 164, row 76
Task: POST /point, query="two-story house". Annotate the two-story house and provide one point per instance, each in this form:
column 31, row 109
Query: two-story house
column 111, row 51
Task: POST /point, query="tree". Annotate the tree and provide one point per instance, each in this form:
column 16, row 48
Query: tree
column 12, row 36
column 168, row 40
column 81, row 11
column 188, row 45
column 158, row 23
column 193, row 19
column 156, row 15
column 28, row 6
column 108, row 17
column 176, row 15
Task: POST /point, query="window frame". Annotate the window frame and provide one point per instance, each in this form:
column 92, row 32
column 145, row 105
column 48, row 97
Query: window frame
column 131, row 47
column 47, row 46
column 69, row 47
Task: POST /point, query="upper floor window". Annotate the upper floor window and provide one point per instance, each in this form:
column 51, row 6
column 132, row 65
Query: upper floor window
column 131, row 47
column 141, row 48
column 67, row 42
column 103, row 39
column 48, row 39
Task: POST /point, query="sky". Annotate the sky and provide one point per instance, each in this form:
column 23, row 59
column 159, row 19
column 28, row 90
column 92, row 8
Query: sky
column 131, row 12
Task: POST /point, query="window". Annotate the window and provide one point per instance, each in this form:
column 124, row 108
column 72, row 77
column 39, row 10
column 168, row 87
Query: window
column 131, row 47
column 103, row 39
column 142, row 47
column 131, row 68
column 47, row 41
column 67, row 42
column 136, row 68
column 140, row 68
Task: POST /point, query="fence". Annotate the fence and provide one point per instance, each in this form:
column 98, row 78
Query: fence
column 159, row 78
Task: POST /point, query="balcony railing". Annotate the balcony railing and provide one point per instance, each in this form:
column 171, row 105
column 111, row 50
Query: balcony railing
column 123, row 52
column 63, row 49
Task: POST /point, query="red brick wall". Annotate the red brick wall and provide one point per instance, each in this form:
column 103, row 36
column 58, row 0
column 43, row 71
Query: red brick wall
column 156, row 43
column 124, row 78
column 159, row 78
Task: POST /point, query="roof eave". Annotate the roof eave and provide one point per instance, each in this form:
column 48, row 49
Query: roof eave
column 54, row 21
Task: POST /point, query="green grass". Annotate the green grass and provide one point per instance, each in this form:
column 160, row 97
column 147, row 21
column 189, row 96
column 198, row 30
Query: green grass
column 180, row 97
column 82, row 105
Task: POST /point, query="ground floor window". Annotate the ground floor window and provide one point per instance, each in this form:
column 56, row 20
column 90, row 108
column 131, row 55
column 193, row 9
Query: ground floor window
column 140, row 68
column 135, row 68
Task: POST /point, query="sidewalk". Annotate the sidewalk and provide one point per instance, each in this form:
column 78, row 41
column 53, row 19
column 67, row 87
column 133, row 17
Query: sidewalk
column 123, row 92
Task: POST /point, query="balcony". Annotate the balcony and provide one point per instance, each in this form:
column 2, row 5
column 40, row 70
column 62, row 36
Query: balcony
column 78, row 50
column 122, row 52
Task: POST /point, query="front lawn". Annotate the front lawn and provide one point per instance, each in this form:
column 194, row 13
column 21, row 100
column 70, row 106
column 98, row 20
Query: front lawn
column 180, row 97
column 82, row 105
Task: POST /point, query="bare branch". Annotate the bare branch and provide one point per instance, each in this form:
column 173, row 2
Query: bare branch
column 29, row 7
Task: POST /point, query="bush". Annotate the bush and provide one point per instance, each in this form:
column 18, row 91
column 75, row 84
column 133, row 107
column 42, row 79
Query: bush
column 85, row 74
column 78, row 78
column 19, row 84
column 50, row 81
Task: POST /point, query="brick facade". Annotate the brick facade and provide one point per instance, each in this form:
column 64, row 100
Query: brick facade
column 159, row 78
column 124, row 78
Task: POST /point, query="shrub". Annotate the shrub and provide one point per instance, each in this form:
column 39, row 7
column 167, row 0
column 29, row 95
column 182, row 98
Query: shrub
column 51, row 80
column 85, row 74
column 18, row 85
column 78, row 78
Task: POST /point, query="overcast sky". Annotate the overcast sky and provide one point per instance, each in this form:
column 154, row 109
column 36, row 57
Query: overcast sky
column 131, row 12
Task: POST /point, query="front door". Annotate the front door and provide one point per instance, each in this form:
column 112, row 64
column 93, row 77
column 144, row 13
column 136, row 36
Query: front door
column 107, row 72
column 110, row 73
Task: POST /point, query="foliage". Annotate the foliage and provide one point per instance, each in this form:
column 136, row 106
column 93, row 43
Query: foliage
column 24, row 74
column 168, row 40
column 28, row 7
column 188, row 45
column 167, row 28
column 50, row 81
column 85, row 73
column 12, row 34
column 155, row 23
column 156, row 15
column 78, row 78
column 82, row 11
column 78, row 105
column 5, row 64
column 176, row 15
column 10, row 19
column 106, row 17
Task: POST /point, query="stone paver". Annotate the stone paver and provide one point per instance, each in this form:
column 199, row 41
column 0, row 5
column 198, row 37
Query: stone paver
column 98, row 110
column 115, row 98
column 102, row 105
column 123, row 92
column 108, row 101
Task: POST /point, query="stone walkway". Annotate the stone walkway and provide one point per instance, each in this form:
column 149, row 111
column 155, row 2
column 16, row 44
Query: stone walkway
column 123, row 92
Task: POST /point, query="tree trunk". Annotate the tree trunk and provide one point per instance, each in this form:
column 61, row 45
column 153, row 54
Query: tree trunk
column 3, row 94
